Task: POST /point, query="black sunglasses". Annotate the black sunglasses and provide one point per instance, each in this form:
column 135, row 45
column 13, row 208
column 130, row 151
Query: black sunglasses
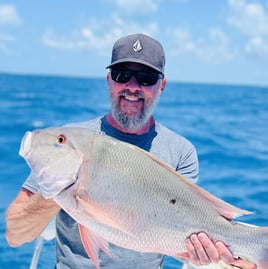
column 143, row 78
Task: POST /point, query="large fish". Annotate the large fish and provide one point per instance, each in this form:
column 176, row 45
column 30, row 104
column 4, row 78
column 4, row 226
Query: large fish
column 121, row 194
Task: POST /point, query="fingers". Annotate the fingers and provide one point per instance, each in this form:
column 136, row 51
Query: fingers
column 224, row 253
column 200, row 248
column 203, row 251
column 244, row 264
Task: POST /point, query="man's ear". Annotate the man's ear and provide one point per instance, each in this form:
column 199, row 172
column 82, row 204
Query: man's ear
column 164, row 82
column 108, row 75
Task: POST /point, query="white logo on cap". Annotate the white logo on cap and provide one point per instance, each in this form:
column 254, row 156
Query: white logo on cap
column 137, row 46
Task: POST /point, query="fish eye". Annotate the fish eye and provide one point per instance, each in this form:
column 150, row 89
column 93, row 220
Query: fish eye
column 61, row 139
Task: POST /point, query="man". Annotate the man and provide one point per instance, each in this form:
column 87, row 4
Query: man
column 135, row 81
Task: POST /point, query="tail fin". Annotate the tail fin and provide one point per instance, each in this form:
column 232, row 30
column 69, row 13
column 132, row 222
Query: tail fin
column 264, row 265
column 262, row 259
column 259, row 252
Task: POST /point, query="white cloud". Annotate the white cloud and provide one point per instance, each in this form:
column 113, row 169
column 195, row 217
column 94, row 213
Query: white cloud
column 251, row 19
column 9, row 15
column 257, row 46
column 53, row 40
column 6, row 37
column 215, row 48
column 95, row 36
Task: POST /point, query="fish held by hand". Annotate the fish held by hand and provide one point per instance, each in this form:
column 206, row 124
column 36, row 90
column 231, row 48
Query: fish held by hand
column 122, row 194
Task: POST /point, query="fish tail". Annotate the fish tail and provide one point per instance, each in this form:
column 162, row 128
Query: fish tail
column 262, row 259
column 264, row 265
column 258, row 253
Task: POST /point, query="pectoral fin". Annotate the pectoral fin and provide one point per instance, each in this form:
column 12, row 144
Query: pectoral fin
column 98, row 213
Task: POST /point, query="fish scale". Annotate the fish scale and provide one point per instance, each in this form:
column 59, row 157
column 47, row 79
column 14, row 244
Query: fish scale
column 121, row 194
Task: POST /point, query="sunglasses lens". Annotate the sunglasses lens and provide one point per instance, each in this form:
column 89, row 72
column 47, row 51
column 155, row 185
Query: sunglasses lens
column 121, row 76
column 143, row 78
column 147, row 79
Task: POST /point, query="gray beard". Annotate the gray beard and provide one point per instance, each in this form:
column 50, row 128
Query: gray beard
column 135, row 122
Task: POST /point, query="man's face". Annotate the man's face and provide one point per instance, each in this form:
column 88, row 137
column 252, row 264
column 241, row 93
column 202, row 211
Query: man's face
column 133, row 103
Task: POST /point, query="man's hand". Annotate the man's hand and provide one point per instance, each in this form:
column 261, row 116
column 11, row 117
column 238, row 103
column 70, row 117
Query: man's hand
column 203, row 251
column 244, row 264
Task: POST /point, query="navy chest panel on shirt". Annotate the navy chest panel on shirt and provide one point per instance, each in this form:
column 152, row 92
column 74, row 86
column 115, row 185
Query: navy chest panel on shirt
column 143, row 141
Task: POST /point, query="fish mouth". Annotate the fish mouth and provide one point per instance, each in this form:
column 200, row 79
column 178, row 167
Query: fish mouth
column 25, row 144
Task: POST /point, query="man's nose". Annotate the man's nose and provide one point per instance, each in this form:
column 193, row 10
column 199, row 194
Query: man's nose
column 133, row 84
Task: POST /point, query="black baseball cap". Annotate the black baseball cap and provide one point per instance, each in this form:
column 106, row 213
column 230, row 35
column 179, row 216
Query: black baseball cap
column 139, row 48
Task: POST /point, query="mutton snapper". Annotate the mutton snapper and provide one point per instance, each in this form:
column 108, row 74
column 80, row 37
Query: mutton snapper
column 121, row 194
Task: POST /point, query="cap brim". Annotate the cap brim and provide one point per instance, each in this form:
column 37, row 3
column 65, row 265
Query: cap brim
column 134, row 60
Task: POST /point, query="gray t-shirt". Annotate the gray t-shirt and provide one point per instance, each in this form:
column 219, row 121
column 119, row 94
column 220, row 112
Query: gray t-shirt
column 165, row 144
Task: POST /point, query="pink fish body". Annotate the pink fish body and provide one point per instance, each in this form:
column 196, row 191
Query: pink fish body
column 121, row 194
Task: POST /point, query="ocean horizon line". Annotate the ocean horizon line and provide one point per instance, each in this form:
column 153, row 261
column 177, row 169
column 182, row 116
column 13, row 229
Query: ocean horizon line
column 72, row 76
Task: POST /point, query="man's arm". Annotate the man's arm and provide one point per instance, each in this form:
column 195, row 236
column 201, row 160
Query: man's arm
column 27, row 216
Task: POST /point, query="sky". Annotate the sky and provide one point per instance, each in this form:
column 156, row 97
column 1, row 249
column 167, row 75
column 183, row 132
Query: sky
column 205, row 41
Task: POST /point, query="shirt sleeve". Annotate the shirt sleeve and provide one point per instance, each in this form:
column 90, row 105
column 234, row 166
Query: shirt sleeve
column 177, row 151
column 30, row 183
column 188, row 165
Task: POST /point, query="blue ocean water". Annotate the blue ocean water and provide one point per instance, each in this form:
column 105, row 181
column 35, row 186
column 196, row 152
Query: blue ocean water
column 227, row 124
